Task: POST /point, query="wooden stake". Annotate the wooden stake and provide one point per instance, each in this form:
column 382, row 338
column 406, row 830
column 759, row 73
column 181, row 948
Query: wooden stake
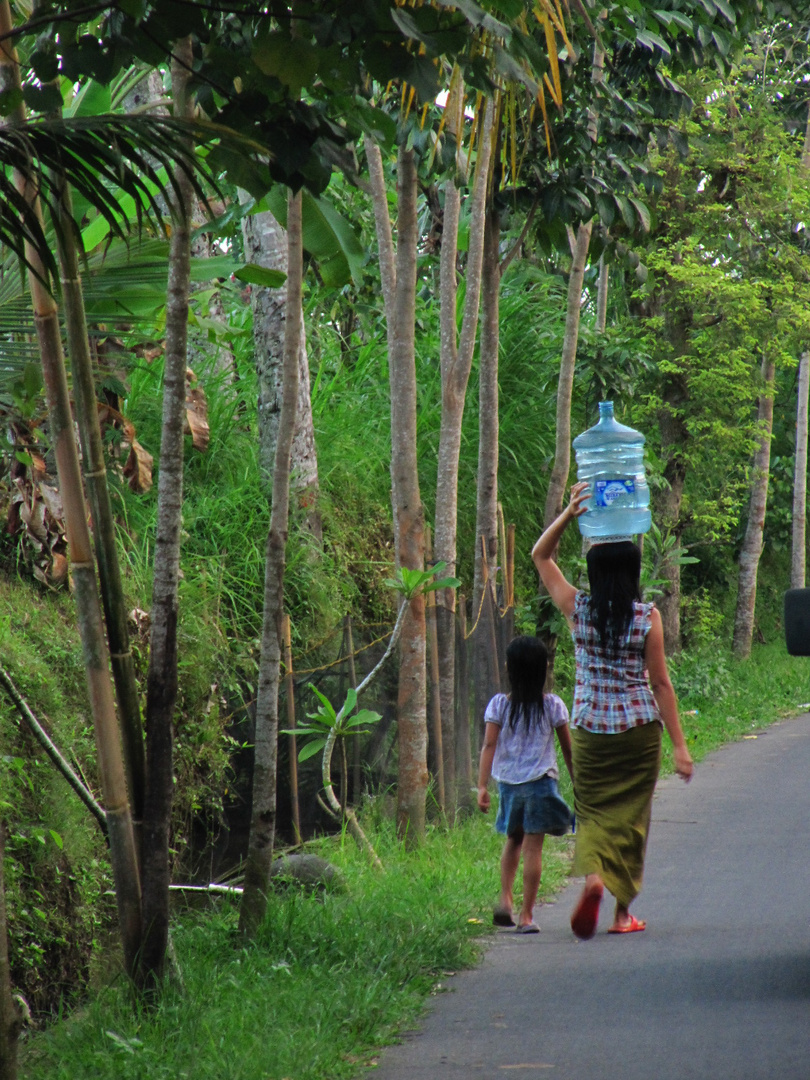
column 463, row 742
column 433, row 676
column 356, row 773
column 289, row 688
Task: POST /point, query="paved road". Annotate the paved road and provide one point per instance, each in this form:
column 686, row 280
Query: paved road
column 718, row 986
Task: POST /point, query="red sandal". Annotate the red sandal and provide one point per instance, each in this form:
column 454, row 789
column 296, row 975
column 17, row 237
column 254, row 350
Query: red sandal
column 586, row 913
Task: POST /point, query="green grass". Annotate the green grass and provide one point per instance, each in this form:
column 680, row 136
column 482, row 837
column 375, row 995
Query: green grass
column 329, row 982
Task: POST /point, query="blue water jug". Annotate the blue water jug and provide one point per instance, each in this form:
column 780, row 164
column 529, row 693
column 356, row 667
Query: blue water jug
column 610, row 457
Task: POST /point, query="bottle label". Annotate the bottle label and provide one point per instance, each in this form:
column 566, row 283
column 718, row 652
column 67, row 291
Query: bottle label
column 608, row 491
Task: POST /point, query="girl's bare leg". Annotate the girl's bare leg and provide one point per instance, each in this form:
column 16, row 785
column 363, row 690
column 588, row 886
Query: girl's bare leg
column 510, row 860
column 532, row 870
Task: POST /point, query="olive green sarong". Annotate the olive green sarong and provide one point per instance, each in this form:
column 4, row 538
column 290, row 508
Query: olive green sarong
column 614, row 780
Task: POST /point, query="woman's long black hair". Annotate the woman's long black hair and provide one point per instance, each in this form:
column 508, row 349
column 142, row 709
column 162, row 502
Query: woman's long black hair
column 526, row 664
column 614, row 572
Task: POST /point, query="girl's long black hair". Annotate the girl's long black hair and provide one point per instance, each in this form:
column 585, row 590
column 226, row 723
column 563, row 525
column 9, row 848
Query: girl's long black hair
column 526, row 664
column 614, row 572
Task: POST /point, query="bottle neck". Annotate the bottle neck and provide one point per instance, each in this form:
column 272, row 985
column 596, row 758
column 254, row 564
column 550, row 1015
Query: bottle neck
column 605, row 410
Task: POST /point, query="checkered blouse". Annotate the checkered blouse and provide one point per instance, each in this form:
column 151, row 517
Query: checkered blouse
column 612, row 691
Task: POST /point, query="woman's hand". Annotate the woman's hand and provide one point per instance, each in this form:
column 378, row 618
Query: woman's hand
column 483, row 799
column 579, row 495
column 684, row 765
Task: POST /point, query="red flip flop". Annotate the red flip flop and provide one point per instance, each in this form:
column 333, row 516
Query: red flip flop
column 586, row 913
column 631, row 928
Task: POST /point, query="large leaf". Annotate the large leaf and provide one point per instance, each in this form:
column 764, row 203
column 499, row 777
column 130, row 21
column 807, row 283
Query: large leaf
column 328, row 237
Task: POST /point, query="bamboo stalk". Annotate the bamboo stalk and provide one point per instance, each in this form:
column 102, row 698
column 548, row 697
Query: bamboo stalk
column 52, row 750
column 95, row 475
column 123, row 855
column 289, row 689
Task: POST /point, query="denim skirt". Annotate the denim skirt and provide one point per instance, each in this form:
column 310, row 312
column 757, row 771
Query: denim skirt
column 533, row 807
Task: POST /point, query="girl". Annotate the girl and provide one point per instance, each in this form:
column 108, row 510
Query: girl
column 519, row 753
column 623, row 694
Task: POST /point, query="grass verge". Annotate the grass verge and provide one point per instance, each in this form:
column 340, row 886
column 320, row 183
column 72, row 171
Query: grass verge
column 331, row 979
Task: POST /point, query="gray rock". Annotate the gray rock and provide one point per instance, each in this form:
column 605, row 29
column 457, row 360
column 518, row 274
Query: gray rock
column 307, row 871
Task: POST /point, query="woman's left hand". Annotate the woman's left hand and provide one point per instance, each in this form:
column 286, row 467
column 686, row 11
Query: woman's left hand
column 579, row 495
column 684, row 766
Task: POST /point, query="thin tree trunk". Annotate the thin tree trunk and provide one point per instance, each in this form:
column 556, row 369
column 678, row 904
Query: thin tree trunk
column 562, row 449
column 95, row 476
column 798, row 573
column 752, row 544
column 123, row 854
column 10, row 1015
column 409, row 512
column 265, row 244
column 398, row 278
column 602, row 295
column 456, row 362
column 265, row 762
column 161, row 686
column 486, row 524
column 799, row 548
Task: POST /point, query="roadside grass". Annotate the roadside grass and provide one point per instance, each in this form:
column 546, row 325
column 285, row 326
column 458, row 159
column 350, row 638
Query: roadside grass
column 330, row 980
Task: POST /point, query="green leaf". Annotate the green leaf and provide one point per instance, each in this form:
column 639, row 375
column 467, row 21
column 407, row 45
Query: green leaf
column 253, row 274
column 443, row 583
column 365, row 716
column 643, row 213
column 626, row 210
column 311, row 749
column 652, row 42
column 293, row 61
column 57, row 839
column 726, row 9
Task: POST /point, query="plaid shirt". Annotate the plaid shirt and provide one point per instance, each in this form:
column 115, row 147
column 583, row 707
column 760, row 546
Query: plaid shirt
column 612, row 691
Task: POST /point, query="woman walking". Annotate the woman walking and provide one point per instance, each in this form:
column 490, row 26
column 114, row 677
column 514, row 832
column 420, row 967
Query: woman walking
column 622, row 697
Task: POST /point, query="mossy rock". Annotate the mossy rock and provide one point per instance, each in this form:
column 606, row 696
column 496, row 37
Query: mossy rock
column 309, row 872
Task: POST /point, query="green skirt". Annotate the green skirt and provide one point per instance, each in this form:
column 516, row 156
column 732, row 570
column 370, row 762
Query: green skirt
column 614, row 780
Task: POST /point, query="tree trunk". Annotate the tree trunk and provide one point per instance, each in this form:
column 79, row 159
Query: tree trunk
column 161, row 685
column 752, row 544
column 486, row 521
column 10, row 1016
column 798, row 554
column 456, row 362
column 798, row 575
column 408, row 511
column 602, row 295
column 398, row 278
column 562, row 449
column 123, row 855
column 265, row 761
column 265, row 244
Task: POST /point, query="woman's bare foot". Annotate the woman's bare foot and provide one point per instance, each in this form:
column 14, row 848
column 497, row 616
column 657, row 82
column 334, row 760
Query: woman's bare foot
column 625, row 923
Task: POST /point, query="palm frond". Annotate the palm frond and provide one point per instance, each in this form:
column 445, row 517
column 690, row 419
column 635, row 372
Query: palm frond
column 102, row 157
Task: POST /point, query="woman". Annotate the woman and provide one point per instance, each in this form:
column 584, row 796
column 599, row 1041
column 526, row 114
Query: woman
column 623, row 694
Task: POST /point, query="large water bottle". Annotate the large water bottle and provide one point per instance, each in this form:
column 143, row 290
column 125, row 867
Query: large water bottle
column 610, row 457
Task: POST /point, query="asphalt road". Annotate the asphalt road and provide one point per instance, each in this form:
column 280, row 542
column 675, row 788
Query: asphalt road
column 717, row 986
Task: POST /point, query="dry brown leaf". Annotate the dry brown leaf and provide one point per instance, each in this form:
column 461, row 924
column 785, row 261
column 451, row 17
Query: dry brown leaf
column 53, row 502
column 59, row 569
column 196, row 414
column 138, row 468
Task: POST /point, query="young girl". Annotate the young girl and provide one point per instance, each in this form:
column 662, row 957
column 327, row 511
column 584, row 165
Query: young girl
column 519, row 753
